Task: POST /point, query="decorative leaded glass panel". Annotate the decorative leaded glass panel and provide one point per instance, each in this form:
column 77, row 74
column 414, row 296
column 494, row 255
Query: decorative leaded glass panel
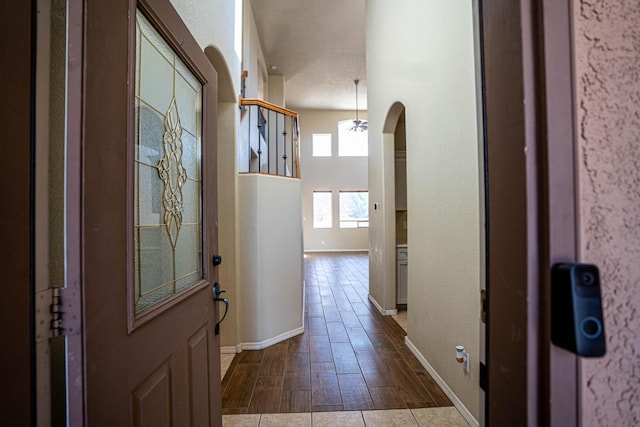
column 167, row 184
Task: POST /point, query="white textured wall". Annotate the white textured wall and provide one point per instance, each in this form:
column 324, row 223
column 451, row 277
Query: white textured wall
column 607, row 38
column 212, row 23
column 421, row 54
column 329, row 173
column 270, row 257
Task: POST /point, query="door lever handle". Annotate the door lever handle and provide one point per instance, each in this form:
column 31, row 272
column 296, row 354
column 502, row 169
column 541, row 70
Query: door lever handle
column 216, row 298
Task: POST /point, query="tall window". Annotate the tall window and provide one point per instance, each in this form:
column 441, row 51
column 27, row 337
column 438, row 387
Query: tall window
column 354, row 209
column 321, row 143
column 322, row 216
column 352, row 144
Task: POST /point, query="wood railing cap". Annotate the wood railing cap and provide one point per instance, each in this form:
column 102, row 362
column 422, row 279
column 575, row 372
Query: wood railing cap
column 268, row 105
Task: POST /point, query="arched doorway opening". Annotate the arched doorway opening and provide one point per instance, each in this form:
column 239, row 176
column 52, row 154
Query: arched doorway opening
column 394, row 136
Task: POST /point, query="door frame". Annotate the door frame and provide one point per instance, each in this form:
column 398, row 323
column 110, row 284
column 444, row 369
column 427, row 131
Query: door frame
column 549, row 33
column 74, row 256
column 529, row 58
column 562, row 198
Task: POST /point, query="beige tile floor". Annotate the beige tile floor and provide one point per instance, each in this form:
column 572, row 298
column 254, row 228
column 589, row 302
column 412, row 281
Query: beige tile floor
column 401, row 319
column 432, row 417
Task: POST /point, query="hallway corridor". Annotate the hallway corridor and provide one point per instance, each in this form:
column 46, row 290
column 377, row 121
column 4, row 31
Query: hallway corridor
column 350, row 358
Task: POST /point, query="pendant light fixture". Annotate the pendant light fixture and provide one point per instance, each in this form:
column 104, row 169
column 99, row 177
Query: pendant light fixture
column 358, row 125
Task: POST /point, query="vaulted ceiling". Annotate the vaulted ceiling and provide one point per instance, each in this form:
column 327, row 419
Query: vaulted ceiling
column 319, row 48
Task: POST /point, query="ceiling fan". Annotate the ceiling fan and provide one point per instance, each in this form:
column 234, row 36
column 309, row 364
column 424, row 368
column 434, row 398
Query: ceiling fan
column 358, row 125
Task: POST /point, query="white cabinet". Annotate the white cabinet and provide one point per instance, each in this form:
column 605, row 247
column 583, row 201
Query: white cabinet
column 402, row 264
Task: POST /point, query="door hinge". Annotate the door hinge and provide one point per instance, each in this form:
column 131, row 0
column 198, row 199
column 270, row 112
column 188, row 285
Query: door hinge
column 56, row 312
column 64, row 312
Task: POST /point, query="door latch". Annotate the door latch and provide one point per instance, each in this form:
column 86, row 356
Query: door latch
column 217, row 260
column 216, row 298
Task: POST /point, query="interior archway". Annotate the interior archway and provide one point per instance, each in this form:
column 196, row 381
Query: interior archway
column 226, row 91
column 394, row 134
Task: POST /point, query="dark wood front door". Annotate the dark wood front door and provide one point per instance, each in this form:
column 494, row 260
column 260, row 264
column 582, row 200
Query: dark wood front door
column 149, row 219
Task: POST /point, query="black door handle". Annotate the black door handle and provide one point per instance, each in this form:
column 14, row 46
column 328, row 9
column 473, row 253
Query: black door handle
column 216, row 298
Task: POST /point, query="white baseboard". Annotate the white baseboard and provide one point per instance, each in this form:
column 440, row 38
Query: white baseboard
column 304, row 301
column 443, row 385
column 271, row 341
column 335, row 250
column 382, row 310
column 229, row 349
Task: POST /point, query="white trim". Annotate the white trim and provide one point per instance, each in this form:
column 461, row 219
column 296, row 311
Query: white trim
column 304, row 298
column 443, row 385
column 335, row 250
column 229, row 349
column 271, row 341
column 382, row 310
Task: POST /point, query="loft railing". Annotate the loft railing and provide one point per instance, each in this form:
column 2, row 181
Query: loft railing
column 273, row 138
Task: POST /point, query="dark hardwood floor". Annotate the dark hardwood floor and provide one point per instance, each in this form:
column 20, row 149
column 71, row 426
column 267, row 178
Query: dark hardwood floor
column 349, row 358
